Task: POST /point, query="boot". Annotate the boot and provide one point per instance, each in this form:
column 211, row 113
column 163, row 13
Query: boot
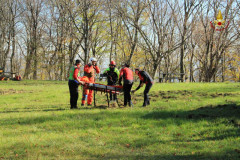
column 73, row 107
column 148, row 102
column 145, row 103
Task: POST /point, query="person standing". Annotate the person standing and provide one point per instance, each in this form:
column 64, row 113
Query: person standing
column 89, row 71
column 127, row 75
column 112, row 74
column 147, row 79
column 73, row 83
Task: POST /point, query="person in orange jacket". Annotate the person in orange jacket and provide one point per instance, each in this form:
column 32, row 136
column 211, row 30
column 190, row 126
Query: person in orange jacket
column 127, row 75
column 89, row 70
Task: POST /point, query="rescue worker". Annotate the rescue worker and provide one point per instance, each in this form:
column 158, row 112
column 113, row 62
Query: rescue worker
column 127, row 75
column 73, row 83
column 147, row 79
column 112, row 74
column 89, row 70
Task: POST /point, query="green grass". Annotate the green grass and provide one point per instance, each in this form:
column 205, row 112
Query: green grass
column 184, row 121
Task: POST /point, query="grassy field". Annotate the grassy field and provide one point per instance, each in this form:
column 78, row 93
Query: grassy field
column 184, row 121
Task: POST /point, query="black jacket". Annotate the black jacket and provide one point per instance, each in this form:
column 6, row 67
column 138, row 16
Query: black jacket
column 144, row 78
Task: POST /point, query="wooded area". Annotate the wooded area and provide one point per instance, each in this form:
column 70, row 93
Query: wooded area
column 40, row 39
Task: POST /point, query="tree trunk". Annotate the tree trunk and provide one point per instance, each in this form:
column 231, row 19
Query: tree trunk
column 181, row 64
column 155, row 67
column 35, row 57
column 28, row 62
column 13, row 47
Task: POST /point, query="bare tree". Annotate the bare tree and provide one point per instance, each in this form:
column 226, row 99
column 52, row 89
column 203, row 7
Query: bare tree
column 131, row 12
column 31, row 21
column 5, row 34
column 161, row 29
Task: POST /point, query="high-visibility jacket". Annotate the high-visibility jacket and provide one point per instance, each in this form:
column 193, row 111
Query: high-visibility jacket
column 71, row 72
column 89, row 73
column 112, row 75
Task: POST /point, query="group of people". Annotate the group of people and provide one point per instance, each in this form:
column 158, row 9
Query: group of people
column 114, row 77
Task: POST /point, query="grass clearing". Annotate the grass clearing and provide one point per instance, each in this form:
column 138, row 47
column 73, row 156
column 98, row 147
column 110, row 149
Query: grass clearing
column 184, row 121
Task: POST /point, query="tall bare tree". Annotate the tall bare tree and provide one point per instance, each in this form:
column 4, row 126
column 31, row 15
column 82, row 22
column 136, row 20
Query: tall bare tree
column 161, row 28
column 131, row 12
column 32, row 10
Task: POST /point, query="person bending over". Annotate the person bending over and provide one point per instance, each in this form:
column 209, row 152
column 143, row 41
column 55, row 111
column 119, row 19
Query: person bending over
column 147, row 79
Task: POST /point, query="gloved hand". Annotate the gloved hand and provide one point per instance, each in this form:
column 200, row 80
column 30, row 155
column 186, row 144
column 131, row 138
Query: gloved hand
column 81, row 83
column 132, row 91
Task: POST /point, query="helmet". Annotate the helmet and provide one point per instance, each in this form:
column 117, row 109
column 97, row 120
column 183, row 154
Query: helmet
column 78, row 61
column 113, row 63
column 92, row 59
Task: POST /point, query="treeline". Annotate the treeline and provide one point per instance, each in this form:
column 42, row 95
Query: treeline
column 42, row 38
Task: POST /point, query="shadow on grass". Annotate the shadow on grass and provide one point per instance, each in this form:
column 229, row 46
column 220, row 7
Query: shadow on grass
column 207, row 112
column 235, row 132
column 33, row 110
column 97, row 120
column 229, row 112
column 229, row 154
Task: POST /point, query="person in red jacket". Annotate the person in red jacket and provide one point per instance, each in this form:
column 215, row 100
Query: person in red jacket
column 89, row 71
column 147, row 79
column 74, row 81
column 127, row 75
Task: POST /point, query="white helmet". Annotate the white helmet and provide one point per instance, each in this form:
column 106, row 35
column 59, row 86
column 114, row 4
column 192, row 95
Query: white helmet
column 92, row 59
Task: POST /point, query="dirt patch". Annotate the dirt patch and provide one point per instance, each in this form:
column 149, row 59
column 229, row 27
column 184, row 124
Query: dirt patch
column 169, row 97
column 215, row 95
column 172, row 94
column 101, row 106
column 223, row 94
column 153, row 99
column 113, row 105
column 12, row 91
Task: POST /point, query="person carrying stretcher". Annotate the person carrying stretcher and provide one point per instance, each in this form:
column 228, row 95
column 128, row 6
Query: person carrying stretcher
column 74, row 81
column 89, row 71
column 147, row 79
column 112, row 74
column 127, row 75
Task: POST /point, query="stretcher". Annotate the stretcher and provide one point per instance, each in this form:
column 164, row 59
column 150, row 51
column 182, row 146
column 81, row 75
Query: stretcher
column 105, row 89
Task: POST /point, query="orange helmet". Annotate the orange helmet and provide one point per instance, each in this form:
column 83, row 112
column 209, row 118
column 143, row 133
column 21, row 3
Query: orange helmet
column 113, row 63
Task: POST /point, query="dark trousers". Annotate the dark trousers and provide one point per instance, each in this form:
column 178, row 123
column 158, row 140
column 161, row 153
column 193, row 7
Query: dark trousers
column 73, row 89
column 127, row 96
column 146, row 97
column 113, row 96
